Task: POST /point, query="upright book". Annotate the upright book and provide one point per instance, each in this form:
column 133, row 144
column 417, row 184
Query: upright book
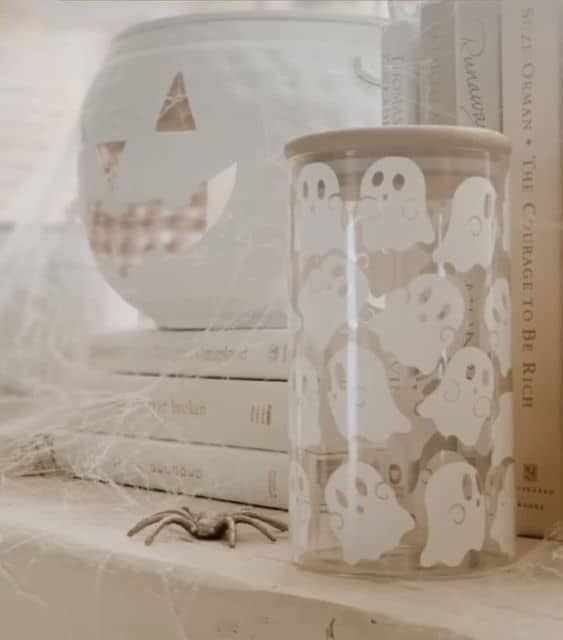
column 532, row 62
column 399, row 73
column 437, row 63
column 460, row 63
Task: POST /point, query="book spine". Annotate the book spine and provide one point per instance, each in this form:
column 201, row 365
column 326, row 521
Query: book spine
column 437, row 64
column 260, row 354
column 400, row 84
column 237, row 475
column 238, row 413
column 478, row 62
column 531, row 99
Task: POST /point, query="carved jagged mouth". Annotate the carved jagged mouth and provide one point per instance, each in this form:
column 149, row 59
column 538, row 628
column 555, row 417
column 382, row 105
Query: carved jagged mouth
column 152, row 228
column 144, row 229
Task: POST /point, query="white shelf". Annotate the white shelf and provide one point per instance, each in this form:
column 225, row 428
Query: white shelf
column 69, row 571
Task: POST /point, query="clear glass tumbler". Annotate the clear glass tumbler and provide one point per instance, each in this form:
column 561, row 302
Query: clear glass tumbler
column 401, row 394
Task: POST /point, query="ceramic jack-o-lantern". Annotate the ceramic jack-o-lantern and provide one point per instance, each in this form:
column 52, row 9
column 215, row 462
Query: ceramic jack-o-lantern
column 182, row 173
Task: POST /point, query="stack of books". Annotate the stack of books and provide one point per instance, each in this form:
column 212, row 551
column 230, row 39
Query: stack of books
column 189, row 412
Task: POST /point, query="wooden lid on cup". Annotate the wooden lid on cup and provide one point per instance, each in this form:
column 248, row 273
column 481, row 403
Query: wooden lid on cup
column 433, row 139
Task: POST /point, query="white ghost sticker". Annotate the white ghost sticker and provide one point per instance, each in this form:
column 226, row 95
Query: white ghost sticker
column 428, row 465
column 332, row 297
column 462, row 402
column 299, row 506
column 392, row 211
column 419, row 323
column 307, row 428
column 456, row 515
column 498, row 320
column 319, row 223
column 503, row 529
column 365, row 515
column 473, row 228
column 503, row 432
column 360, row 398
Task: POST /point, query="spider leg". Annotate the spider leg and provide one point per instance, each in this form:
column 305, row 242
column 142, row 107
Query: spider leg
column 231, row 531
column 257, row 525
column 187, row 510
column 273, row 522
column 156, row 517
column 183, row 522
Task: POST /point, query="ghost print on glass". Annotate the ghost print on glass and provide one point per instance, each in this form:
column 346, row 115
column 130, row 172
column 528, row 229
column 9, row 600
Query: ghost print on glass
column 402, row 402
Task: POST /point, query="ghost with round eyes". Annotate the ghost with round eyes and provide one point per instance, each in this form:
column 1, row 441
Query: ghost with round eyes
column 419, row 323
column 365, row 515
column 462, row 402
column 503, row 528
column 498, row 320
column 319, row 212
column 331, row 298
column 306, row 430
column 299, row 506
column 360, row 399
column 473, row 227
column 392, row 211
column 502, row 432
column 456, row 514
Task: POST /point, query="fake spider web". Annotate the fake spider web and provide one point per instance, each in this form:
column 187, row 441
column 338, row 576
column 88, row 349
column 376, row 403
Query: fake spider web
column 52, row 301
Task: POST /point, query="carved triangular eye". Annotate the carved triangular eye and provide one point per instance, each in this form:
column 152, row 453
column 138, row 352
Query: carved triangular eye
column 109, row 156
column 176, row 113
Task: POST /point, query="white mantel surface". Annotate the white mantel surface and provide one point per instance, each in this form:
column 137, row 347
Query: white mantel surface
column 68, row 571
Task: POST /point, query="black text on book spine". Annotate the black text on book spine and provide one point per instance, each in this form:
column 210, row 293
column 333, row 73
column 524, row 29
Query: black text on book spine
column 261, row 414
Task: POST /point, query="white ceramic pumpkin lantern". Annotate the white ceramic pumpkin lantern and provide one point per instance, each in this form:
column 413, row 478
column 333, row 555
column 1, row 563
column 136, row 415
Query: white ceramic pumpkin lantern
column 182, row 176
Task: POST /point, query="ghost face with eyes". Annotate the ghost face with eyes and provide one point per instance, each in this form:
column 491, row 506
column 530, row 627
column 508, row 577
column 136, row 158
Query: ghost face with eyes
column 456, row 515
column 419, row 322
column 472, row 232
column 503, row 529
column 392, row 212
column 319, row 212
column 365, row 515
column 360, row 398
column 462, row 403
column 332, row 296
column 299, row 506
column 307, row 428
column 498, row 316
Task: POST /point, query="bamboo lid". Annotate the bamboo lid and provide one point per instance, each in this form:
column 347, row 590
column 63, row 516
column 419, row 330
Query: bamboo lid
column 435, row 139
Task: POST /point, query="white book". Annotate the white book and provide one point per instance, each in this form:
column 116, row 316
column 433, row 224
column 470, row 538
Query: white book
column 460, row 63
column 437, row 64
column 240, row 413
column 225, row 473
column 532, row 95
column 478, row 63
column 399, row 76
column 259, row 353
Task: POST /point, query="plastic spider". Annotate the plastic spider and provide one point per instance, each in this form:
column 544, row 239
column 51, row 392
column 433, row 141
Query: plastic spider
column 208, row 525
